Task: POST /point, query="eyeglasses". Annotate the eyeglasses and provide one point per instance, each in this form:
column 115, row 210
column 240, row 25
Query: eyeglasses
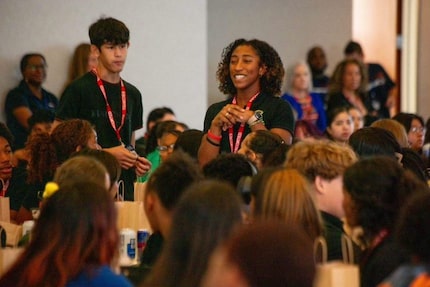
column 34, row 68
column 417, row 130
column 165, row 148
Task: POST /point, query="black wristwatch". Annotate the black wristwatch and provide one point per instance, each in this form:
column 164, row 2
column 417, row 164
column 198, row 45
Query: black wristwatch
column 259, row 115
column 257, row 118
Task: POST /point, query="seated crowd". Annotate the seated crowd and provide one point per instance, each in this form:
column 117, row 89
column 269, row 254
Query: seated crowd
column 246, row 218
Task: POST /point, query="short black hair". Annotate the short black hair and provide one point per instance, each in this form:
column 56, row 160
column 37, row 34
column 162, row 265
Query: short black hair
column 406, row 120
column 41, row 116
column 108, row 30
column 229, row 167
column 189, row 142
column 173, row 177
column 158, row 130
column 371, row 141
column 157, row 114
column 5, row 133
column 24, row 60
column 353, row 47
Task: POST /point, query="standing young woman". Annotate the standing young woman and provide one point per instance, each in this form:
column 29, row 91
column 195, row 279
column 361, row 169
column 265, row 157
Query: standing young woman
column 251, row 73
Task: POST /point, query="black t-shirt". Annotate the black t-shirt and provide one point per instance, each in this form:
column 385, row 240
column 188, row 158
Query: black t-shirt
column 380, row 85
column 333, row 232
column 33, row 195
column 17, row 188
column 277, row 113
column 83, row 99
column 152, row 249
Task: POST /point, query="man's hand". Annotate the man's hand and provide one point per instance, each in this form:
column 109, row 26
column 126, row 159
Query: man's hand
column 126, row 158
column 142, row 166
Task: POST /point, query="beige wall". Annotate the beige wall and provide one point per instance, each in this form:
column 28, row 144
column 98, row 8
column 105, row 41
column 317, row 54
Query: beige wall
column 290, row 26
column 166, row 59
column 424, row 60
column 374, row 26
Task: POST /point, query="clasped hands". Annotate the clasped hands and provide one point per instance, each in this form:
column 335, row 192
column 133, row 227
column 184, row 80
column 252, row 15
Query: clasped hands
column 230, row 115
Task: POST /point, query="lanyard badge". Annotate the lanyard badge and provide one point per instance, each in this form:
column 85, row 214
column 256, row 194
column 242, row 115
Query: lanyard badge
column 109, row 108
column 236, row 146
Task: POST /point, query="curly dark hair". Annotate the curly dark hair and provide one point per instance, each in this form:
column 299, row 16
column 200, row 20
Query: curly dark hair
column 336, row 80
column 270, row 82
column 378, row 187
column 47, row 152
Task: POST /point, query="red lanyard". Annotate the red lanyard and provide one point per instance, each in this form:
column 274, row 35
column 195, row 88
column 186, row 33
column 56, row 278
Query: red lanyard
column 4, row 188
column 241, row 128
column 379, row 238
column 108, row 107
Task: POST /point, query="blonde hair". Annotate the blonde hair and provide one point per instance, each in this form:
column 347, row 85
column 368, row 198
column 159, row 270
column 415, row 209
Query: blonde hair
column 396, row 128
column 79, row 64
column 323, row 158
column 287, row 197
column 80, row 168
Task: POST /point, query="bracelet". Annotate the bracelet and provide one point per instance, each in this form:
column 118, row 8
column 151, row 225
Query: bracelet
column 212, row 142
column 256, row 122
column 251, row 120
column 213, row 137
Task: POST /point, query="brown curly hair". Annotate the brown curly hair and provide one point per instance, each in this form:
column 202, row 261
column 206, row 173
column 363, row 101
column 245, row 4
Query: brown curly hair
column 270, row 82
column 336, row 80
column 47, row 152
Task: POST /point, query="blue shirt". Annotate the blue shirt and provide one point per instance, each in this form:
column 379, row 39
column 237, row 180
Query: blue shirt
column 22, row 96
column 100, row 277
column 318, row 105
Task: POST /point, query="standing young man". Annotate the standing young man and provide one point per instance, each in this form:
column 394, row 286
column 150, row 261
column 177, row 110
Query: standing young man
column 111, row 104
